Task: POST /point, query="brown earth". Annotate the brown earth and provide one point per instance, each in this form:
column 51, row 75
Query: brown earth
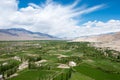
column 111, row 41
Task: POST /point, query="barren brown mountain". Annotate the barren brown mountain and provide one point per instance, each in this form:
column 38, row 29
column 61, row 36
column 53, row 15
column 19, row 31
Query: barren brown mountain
column 111, row 40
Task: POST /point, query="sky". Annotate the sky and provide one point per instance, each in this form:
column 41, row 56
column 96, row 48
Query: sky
column 62, row 18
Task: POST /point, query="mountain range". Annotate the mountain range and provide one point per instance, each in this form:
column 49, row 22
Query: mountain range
column 23, row 34
column 110, row 40
column 115, row 36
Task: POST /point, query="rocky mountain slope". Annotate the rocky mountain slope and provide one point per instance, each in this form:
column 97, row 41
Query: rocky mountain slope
column 111, row 40
column 100, row 38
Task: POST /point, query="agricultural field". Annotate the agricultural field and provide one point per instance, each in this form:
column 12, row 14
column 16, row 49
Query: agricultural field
column 57, row 60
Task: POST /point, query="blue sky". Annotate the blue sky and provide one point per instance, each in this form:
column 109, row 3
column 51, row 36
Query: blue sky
column 110, row 11
column 62, row 18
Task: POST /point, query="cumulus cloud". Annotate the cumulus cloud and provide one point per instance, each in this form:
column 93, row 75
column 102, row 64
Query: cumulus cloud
column 7, row 8
column 99, row 27
column 53, row 18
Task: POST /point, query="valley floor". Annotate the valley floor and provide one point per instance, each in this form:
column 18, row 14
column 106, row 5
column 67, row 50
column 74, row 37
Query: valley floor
column 41, row 60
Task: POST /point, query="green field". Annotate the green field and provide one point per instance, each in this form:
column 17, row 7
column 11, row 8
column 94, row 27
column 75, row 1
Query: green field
column 91, row 62
column 95, row 73
column 33, row 75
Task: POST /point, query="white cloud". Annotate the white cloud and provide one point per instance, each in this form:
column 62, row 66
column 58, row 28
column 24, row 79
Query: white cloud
column 7, row 8
column 53, row 18
column 99, row 27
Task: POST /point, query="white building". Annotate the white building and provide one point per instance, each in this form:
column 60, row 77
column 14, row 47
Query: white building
column 72, row 63
column 1, row 77
column 17, row 58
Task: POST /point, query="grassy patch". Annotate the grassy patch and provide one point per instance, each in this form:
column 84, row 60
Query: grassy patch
column 32, row 75
column 79, row 76
column 96, row 73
